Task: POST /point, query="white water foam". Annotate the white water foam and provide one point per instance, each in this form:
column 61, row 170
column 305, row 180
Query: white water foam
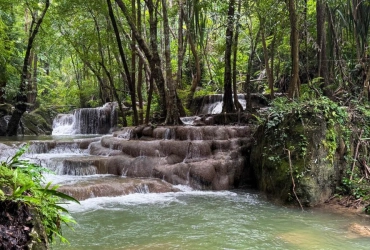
column 116, row 203
column 71, row 179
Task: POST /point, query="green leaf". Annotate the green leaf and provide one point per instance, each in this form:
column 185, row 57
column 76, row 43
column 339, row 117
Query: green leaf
column 58, row 194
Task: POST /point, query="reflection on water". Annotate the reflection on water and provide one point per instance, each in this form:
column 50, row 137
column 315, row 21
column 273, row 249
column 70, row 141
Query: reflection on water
column 204, row 220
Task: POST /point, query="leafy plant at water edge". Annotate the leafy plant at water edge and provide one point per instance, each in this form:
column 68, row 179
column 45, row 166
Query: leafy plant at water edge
column 22, row 181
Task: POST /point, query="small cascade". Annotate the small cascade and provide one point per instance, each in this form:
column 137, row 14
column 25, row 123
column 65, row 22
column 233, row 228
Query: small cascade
column 195, row 133
column 126, row 134
column 86, row 121
column 169, row 134
column 142, row 189
column 71, row 167
column 193, row 153
column 41, row 147
column 188, row 120
column 212, row 104
column 63, row 124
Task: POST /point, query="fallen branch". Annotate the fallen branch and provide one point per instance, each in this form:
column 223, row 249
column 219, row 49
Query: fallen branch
column 356, row 155
column 293, row 182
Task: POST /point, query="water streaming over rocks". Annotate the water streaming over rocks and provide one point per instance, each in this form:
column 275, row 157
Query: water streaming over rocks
column 86, row 121
column 123, row 173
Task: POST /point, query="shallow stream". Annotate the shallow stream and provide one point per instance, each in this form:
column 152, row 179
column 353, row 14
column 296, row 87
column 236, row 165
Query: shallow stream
column 206, row 220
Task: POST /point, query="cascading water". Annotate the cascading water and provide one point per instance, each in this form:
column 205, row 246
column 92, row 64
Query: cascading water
column 86, row 121
column 212, row 104
column 189, row 219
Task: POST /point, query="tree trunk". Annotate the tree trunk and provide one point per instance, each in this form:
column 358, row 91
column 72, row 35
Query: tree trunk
column 139, row 86
column 269, row 72
column 228, row 105
column 293, row 90
column 180, row 40
column 151, row 53
column 131, row 84
column 252, row 54
column 172, row 117
column 237, row 104
column 322, row 61
column 21, row 99
column 2, row 82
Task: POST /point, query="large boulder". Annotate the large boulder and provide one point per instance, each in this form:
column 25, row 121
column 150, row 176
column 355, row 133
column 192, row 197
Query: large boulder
column 298, row 147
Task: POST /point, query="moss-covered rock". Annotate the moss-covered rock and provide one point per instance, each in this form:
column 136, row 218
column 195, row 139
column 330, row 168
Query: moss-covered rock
column 316, row 156
column 37, row 122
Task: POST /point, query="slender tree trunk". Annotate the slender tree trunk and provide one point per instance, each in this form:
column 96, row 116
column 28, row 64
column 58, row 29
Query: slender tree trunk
column 322, row 61
column 195, row 78
column 150, row 95
column 173, row 116
column 131, row 84
column 151, row 53
column 133, row 60
column 267, row 64
column 180, row 41
column 237, row 104
column 228, row 105
column 2, row 82
column 252, row 54
column 21, row 104
column 140, row 71
column 293, row 90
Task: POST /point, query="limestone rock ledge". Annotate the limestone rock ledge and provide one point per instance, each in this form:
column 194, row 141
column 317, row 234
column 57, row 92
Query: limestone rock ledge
column 207, row 157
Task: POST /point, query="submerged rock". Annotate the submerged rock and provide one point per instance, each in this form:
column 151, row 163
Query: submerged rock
column 359, row 230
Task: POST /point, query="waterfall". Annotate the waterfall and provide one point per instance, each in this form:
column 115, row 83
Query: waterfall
column 212, row 104
column 86, row 121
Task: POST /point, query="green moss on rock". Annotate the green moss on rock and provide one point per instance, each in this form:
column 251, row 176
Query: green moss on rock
column 317, row 169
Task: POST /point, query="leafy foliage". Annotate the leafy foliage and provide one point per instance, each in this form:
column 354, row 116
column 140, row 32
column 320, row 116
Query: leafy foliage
column 21, row 180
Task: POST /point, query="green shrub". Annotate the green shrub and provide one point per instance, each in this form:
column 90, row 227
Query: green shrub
column 22, row 181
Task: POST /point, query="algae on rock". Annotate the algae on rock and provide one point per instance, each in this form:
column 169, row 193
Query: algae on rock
column 317, row 160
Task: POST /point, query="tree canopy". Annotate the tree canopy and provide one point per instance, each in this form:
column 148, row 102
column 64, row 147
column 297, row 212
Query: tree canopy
column 157, row 56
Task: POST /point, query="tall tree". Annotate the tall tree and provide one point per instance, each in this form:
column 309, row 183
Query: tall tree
column 151, row 53
column 237, row 104
column 192, row 22
column 322, row 61
column 131, row 83
column 293, row 90
column 21, row 105
column 173, row 116
column 228, row 105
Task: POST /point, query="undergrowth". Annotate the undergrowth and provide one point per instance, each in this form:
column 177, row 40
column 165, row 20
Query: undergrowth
column 22, row 181
column 349, row 126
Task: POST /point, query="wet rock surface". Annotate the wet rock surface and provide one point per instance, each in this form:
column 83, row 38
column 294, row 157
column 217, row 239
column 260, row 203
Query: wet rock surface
column 115, row 186
column 207, row 157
